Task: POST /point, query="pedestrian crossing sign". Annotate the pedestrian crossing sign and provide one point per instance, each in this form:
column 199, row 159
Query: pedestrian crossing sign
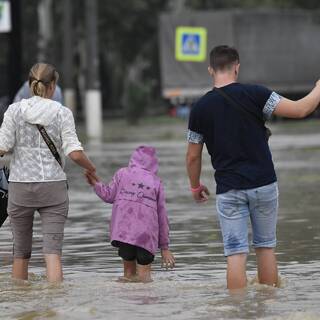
column 191, row 44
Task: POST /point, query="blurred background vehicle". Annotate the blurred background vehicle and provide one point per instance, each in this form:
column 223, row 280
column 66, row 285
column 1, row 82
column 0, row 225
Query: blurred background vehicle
column 120, row 59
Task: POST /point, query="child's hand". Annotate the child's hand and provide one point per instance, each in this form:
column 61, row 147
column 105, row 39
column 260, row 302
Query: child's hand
column 167, row 259
column 91, row 177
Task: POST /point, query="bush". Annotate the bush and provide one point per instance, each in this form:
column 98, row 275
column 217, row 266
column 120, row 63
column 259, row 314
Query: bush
column 137, row 97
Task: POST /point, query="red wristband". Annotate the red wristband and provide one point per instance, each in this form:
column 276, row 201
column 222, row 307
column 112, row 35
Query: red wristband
column 196, row 189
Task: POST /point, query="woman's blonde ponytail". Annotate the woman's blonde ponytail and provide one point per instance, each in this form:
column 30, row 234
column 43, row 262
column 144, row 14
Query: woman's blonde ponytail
column 40, row 77
column 38, row 88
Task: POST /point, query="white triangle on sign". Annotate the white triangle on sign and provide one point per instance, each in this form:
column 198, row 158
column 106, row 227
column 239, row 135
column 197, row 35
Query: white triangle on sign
column 191, row 45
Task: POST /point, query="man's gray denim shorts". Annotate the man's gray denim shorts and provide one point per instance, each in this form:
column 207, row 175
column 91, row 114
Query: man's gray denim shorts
column 236, row 206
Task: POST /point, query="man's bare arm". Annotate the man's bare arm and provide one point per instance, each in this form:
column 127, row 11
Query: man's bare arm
column 193, row 163
column 301, row 108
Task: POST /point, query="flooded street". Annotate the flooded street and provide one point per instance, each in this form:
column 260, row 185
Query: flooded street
column 196, row 288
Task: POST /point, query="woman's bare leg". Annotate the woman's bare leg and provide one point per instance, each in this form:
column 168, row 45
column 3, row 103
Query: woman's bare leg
column 20, row 269
column 54, row 268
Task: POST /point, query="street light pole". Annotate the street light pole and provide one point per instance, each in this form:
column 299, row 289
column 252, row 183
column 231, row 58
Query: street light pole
column 93, row 94
column 68, row 86
column 45, row 29
column 15, row 51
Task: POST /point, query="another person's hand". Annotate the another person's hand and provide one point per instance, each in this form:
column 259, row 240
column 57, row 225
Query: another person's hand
column 91, row 177
column 200, row 194
column 167, row 259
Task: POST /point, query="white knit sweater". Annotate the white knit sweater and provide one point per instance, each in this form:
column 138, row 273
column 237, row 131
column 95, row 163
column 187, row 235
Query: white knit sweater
column 32, row 161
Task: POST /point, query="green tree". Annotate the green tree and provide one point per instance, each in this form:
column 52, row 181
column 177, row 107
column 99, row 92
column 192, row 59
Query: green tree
column 219, row 4
column 129, row 45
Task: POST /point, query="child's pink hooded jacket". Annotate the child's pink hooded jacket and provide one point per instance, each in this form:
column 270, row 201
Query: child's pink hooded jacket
column 138, row 214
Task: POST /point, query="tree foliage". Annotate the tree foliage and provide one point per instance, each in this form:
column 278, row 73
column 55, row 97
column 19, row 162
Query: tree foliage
column 220, row 4
column 128, row 41
column 128, row 32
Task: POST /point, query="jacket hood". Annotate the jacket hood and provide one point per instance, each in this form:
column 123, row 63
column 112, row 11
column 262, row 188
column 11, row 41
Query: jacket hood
column 37, row 110
column 144, row 157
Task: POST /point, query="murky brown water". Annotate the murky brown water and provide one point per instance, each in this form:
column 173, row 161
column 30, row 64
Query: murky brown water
column 196, row 288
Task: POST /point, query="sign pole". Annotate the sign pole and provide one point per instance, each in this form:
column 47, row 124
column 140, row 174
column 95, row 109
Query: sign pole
column 69, row 92
column 15, row 50
column 93, row 105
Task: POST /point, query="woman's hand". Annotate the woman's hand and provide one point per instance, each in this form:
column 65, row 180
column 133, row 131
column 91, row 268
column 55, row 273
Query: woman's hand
column 91, row 177
column 167, row 259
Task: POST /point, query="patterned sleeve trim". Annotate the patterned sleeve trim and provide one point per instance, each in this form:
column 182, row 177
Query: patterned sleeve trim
column 194, row 137
column 270, row 105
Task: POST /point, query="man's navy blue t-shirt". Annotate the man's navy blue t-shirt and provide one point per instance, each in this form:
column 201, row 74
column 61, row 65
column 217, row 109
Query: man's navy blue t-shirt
column 237, row 145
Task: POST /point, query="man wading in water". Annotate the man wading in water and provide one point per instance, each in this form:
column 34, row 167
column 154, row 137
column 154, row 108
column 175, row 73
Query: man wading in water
column 237, row 142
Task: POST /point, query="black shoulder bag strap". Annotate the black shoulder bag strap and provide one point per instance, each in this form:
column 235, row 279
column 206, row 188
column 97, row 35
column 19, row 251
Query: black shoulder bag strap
column 245, row 111
column 49, row 143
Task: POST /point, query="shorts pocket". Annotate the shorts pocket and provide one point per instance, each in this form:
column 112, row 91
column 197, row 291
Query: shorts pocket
column 228, row 204
column 267, row 199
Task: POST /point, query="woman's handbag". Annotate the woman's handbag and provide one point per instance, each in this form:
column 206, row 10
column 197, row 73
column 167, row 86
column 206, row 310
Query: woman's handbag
column 4, row 177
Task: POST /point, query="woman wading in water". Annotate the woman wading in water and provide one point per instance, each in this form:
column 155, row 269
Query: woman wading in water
column 37, row 180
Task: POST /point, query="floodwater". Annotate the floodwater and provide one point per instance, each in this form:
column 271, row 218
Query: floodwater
column 195, row 289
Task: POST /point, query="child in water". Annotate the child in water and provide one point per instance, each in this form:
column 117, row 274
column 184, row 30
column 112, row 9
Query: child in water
column 139, row 222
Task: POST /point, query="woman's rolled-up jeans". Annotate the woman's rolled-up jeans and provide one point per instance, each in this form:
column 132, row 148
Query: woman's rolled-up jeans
column 50, row 199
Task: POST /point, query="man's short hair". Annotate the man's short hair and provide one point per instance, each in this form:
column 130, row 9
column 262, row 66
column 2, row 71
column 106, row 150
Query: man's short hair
column 223, row 57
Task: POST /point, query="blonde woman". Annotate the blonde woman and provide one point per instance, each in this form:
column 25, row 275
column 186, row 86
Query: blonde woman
column 37, row 180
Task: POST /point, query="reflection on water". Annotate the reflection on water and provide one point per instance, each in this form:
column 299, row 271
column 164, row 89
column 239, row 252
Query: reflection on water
column 196, row 288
